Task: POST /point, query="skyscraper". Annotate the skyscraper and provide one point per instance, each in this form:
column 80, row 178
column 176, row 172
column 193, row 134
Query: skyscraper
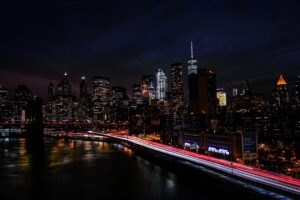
column 137, row 94
column 101, row 95
column 49, row 106
column 64, row 87
column 3, row 97
column 119, row 105
column 221, row 96
column 202, row 87
column 137, row 111
column 161, row 84
column 22, row 96
column 281, row 93
column 207, row 91
column 119, row 95
column 177, row 96
column 50, row 91
column 192, row 67
column 246, row 88
column 193, row 82
column 234, row 92
column 4, row 104
column 83, row 88
column 148, row 88
column 84, row 104
column 296, row 93
column 63, row 103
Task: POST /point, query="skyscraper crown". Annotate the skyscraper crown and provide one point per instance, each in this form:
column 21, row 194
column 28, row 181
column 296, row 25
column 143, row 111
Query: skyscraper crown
column 281, row 80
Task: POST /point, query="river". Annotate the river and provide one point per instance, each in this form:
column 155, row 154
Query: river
column 74, row 169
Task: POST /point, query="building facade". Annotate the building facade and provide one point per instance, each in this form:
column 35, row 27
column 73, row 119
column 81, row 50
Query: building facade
column 177, row 95
column 161, row 84
column 101, row 98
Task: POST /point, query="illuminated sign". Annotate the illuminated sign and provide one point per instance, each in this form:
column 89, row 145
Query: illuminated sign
column 222, row 151
column 186, row 144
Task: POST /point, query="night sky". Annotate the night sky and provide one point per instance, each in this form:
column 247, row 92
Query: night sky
column 124, row 39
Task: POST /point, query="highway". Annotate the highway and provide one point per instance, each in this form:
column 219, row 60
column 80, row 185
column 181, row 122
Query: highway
column 281, row 182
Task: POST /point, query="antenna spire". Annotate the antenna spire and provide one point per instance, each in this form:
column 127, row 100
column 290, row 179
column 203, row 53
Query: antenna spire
column 192, row 50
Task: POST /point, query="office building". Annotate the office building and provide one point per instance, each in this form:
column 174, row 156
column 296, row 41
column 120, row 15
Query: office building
column 193, row 83
column 221, row 96
column 101, row 98
column 281, row 94
column 148, row 88
column 177, row 96
column 161, row 85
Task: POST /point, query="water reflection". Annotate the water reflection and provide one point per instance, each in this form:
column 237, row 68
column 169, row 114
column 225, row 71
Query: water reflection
column 74, row 169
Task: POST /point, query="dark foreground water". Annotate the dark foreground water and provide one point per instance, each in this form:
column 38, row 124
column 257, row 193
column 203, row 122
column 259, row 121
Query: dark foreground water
column 69, row 169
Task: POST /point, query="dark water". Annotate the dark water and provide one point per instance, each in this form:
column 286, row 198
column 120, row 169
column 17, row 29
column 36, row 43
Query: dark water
column 69, row 169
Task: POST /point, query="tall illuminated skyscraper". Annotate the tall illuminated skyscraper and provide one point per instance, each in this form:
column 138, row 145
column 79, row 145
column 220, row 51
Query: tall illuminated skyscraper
column 192, row 67
column 101, row 95
column 221, row 96
column 281, row 93
column 137, row 94
column 148, row 87
column 234, row 92
column 83, row 87
column 49, row 107
column 177, row 96
column 202, row 88
column 64, row 87
column 193, row 82
column 161, row 84
column 119, row 107
column 64, row 100
column 101, row 88
column 84, row 107
column 119, row 95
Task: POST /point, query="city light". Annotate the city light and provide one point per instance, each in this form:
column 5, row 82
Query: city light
column 138, row 99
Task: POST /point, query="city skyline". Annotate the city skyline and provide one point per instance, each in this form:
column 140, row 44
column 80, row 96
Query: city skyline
column 75, row 90
column 253, row 40
column 152, row 99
